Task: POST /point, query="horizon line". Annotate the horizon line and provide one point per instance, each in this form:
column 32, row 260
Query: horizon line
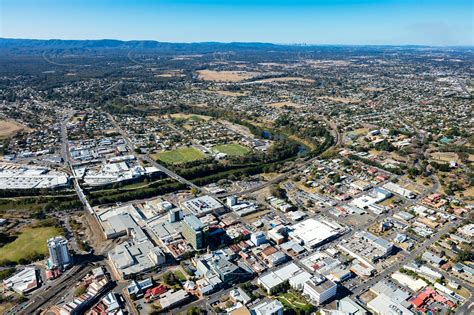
column 237, row 42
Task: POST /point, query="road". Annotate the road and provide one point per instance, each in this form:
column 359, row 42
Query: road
column 296, row 170
column 147, row 158
column 468, row 306
column 67, row 160
column 417, row 252
column 48, row 293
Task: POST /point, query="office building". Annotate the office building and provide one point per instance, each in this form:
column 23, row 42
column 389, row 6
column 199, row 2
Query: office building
column 193, row 231
column 175, row 215
column 319, row 289
column 258, row 238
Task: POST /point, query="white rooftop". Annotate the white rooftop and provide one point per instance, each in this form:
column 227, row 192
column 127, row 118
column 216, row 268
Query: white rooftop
column 313, row 232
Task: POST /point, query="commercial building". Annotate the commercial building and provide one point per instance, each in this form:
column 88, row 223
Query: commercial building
column 346, row 306
column 389, row 300
column 121, row 224
column 239, row 295
column 175, row 215
column 193, row 231
column 312, row 233
column 272, row 307
column 384, row 305
column 361, row 185
column 366, row 247
column 258, row 238
column 219, row 265
column 135, row 258
column 203, row 205
column 274, row 279
column 319, row 289
column 59, row 256
column 403, row 215
column 173, row 299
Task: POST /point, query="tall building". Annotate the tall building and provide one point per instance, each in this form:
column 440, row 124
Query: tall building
column 175, row 215
column 193, row 231
column 59, row 256
column 231, row 201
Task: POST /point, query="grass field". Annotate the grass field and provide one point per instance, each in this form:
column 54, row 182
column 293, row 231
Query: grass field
column 292, row 301
column 31, row 242
column 192, row 117
column 181, row 155
column 232, row 149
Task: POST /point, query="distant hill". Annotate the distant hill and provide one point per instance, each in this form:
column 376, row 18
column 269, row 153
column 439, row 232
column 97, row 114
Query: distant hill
column 147, row 45
column 25, row 47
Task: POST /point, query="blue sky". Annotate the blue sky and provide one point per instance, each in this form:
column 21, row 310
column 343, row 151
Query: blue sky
column 430, row 22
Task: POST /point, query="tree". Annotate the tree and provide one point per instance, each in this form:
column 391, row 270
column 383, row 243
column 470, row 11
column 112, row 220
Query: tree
column 194, row 191
column 278, row 192
column 464, row 255
column 80, row 290
column 194, row 310
column 170, row 278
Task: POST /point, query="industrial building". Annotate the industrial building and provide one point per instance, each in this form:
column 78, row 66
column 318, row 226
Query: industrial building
column 23, row 282
column 19, row 176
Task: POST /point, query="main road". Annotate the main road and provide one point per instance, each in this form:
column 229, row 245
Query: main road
column 147, row 158
column 67, row 160
column 338, row 140
column 415, row 253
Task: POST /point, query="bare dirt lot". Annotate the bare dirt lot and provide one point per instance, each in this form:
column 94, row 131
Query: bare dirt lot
column 444, row 156
column 225, row 76
column 228, row 93
column 9, row 128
